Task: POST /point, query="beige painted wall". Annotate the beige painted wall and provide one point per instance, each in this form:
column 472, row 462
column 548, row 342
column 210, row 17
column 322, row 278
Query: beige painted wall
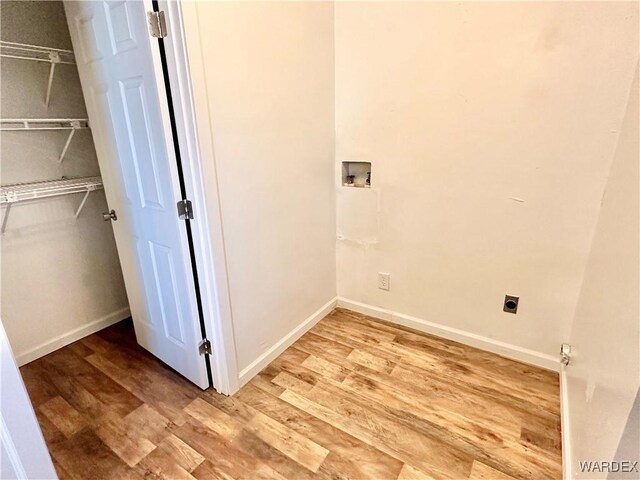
column 604, row 374
column 59, row 274
column 269, row 79
column 491, row 128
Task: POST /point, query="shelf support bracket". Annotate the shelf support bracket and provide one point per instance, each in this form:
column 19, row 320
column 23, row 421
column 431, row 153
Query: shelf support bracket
column 54, row 57
column 76, row 126
column 84, row 200
column 5, row 218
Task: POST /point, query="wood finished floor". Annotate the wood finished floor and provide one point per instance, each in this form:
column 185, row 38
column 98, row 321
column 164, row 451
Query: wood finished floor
column 353, row 398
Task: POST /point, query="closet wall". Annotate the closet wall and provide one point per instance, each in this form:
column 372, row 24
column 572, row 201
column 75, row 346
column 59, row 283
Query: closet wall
column 61, row 277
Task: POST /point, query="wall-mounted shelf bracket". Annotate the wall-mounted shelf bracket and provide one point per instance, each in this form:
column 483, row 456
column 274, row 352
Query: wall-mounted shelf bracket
column 54, row 58
column 5, row 218
column 75, row 125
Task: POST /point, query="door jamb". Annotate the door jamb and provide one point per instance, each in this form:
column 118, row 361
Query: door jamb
column 188, row 88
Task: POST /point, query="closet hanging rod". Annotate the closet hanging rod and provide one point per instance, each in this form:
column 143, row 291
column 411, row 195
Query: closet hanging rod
column 10, row 194
column 18, row 124
column 38, row 53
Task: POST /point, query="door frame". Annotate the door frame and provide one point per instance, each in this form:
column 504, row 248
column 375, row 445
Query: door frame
column 200, row 177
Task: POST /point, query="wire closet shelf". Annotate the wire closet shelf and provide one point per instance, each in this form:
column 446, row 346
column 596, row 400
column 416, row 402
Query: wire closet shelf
column 33, row 124
column 12, row 194
column 20, row 192
column 38, row 53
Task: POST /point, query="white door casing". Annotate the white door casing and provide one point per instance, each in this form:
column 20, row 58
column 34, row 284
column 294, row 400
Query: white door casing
column 23, row 453
column 185, row 64
column 128, row 112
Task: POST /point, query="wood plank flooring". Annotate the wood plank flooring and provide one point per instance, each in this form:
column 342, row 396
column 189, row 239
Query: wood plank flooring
column 353, row 398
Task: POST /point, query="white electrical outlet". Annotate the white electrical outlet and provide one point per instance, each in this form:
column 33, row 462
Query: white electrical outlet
column 383, row 280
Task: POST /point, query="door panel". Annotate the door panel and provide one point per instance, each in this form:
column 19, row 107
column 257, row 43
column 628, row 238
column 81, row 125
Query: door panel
column 127, row 111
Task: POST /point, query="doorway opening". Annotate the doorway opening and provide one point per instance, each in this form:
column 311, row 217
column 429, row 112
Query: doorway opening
column 120, row 162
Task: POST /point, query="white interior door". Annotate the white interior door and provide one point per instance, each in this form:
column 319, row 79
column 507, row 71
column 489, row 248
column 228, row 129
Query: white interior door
column 121, row 78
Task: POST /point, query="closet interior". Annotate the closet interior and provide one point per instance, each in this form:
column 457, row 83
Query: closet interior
column 60, row 269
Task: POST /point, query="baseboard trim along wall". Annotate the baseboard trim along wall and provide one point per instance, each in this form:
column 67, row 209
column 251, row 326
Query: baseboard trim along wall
column 72, row 336
column 285, row 342
column 565, row 426
column 508, row 350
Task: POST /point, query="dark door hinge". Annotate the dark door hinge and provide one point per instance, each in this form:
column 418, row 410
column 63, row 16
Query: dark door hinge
column 204, row 347
column 185, row 210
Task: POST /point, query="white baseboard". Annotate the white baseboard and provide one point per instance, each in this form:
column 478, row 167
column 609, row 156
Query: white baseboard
column 71, row 336
column 565, row 426
column 285, row 342
column 525, row 355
